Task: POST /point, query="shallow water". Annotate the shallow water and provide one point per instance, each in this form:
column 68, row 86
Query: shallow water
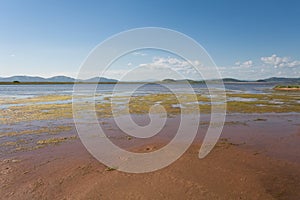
column 25, row 91
column 13, row 92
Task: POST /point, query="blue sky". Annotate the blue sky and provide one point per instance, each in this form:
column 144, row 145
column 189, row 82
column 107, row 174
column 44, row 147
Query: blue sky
column 247, row 39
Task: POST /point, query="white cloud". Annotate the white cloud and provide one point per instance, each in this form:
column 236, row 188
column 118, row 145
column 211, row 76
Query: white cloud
column 265, row 67
column 137, row 53
column 129, row 64
column 160, row 68
column 176, row 68
column 182, row 67
column 246, row 64
column 115, row 73
column 277, row 61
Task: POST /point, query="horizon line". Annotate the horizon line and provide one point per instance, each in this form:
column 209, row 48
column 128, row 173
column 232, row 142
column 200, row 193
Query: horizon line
column 170, row 79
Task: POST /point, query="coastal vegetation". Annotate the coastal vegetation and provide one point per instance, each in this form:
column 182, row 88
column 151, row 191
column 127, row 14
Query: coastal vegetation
column 55, row 140
column 287, row 87
column 47, row 108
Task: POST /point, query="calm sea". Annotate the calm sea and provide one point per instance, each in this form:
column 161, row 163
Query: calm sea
column 24, row 91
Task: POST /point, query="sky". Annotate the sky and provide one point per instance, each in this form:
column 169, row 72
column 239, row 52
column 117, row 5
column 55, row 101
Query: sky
column 247, row 39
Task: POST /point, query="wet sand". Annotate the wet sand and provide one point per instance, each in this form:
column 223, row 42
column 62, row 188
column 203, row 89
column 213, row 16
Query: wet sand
column 256, row 158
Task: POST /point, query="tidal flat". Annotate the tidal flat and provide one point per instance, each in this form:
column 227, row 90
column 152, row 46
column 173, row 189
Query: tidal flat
column 26, row 119
column 42, row 156
column 45, row 108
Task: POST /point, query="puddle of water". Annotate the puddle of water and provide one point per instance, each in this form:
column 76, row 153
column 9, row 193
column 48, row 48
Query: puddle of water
column 240, row 99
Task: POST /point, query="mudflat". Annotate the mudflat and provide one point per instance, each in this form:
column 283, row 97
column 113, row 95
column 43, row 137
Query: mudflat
column 257, row 157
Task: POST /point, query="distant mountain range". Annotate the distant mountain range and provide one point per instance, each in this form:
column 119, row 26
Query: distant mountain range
column 58, row 79
column 66, row 79
column 280, row 79
column 232, row 80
